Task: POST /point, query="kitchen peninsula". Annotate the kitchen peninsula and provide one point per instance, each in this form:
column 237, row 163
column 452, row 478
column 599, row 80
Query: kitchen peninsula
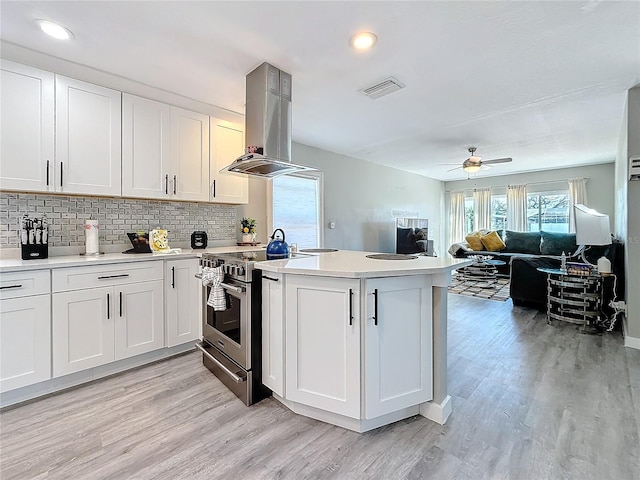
column 355, row 341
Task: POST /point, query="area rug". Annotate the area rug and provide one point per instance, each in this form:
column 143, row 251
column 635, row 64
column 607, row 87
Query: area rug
column 499, row 291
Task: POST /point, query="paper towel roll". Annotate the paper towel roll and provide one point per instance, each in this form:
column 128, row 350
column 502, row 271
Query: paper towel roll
column 91, row 237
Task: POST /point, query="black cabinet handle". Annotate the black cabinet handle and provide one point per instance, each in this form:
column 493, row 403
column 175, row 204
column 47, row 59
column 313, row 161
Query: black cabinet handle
column 270, row 278
column 173, row 277
column 214, row 189
column 166, row 184
column 10, row 286
column 108, row 308
column 175, row 181
column 61, row 167
column 375, row 306
column 106, row 277
column 120, row 303
column 47, row 173
column 350, row 306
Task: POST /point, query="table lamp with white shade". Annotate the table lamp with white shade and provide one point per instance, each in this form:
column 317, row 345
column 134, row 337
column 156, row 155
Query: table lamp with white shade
column 592, row 228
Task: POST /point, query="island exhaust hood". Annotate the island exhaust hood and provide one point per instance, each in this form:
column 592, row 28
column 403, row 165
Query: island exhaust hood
column 267, row 125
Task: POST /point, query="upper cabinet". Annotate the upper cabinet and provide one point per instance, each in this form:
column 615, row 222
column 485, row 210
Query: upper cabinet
column 189, row 178
column 227, row 144
column 146, row 148
column 26, row 109
column 88, row 147
column 62, row 135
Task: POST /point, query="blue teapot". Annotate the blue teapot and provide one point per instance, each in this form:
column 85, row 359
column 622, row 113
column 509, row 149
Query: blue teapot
column 277, row 249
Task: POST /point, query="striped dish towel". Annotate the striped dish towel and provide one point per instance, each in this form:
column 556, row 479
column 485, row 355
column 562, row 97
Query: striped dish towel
column 213, row 277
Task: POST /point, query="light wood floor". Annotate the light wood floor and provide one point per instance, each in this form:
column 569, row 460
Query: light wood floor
column 530, row 401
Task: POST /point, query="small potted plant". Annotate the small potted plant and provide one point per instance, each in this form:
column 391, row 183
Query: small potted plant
column 248, row 230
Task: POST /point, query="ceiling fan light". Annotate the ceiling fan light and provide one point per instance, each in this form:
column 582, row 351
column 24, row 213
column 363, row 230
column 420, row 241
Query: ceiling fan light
column 471, row 168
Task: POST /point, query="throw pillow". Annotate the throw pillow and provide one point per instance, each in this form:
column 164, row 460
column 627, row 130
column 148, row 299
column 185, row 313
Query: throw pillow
column 474, row 242
column 522, row 242
column 492, row 242
column 554, row 243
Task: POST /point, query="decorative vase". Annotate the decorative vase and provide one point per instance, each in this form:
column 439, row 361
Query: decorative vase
column 247, row 238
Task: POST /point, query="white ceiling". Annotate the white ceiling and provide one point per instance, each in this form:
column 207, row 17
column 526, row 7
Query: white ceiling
column 541, row 82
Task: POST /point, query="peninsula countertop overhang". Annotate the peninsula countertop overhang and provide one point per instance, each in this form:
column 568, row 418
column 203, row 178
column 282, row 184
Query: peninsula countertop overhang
column 355, row 264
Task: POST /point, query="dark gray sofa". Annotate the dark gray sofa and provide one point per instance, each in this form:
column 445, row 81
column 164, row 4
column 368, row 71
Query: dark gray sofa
column 527, row 245
column 525, row 252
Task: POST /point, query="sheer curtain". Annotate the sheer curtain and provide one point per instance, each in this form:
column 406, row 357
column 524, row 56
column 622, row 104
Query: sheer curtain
column 482, row 208
column 517, row 208
column 456, row 231
column 577, row 194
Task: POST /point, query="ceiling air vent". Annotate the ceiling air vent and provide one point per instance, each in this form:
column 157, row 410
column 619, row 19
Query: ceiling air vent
column 385, row 87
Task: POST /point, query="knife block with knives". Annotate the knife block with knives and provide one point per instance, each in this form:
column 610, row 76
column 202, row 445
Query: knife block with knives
column 34, row 237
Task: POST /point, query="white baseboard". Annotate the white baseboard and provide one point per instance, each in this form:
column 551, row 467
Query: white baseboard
column 437, row 412
column 632, row 342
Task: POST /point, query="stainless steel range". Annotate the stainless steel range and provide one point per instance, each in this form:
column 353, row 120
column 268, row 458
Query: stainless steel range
column 231, row 338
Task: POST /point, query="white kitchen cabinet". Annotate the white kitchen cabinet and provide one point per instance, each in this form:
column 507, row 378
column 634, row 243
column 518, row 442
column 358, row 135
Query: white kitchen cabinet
column 323, row 343
column 273, row 332
column 88, row 134
column 27, row 128
column 106, row 313
column 397, row 344
column 146, row 148
column 182, row 295
column 189, row 178
column 83, row 329
column 226, row 144
column 139, row 319
column 25, row 329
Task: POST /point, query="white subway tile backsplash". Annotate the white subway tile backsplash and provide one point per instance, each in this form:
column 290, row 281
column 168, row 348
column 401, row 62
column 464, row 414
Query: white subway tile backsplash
column 117, row 216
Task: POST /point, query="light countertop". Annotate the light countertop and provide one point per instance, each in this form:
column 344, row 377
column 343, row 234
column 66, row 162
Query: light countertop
column 352, row 264
column 61, row 261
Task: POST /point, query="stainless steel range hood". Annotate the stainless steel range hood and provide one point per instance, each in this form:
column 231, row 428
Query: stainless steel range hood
column 267, row 125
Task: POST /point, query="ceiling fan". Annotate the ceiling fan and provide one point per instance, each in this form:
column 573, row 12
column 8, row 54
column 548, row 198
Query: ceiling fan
column 474, row 163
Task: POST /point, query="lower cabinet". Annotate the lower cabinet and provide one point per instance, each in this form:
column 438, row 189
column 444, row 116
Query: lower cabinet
column 337, row 360
column 83, row 330
column 323, row 343
column 397, row 343
column 25, row 341
column 273, row 332
column 182, row 305
column 94, row 325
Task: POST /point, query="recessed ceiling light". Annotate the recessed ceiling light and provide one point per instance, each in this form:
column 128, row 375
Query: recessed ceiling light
column 363, row 40
column 54, row 30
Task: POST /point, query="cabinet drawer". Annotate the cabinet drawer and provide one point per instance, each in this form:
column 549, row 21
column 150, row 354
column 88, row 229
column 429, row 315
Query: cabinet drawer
column 24, row 284
column 77, row 278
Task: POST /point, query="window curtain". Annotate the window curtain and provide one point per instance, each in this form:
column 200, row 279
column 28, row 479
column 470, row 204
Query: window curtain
column 517, row 208
column 577, row 194
column 456, row 232
column 482, row 209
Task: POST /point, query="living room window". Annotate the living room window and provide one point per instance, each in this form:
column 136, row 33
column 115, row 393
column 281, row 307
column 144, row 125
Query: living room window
column 498, row 212
column 297, row 208
column 469, row 213
column 548, row 211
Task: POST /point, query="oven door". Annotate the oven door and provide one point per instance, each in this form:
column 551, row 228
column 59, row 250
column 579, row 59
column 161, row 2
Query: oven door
column 228, row 330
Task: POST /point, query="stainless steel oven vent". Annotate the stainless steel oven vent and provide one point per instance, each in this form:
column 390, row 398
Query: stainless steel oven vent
column 385, row 87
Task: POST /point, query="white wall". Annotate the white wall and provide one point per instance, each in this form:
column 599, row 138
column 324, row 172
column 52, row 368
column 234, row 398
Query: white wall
column 363, row 199
column 600, row 186
column 628, row 221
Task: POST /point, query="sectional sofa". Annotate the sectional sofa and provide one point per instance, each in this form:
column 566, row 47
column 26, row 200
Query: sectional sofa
column 525, row 252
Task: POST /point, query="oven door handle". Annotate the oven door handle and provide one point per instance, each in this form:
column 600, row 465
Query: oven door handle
column 235, row 377
column 233, row 288
column 226, row 286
